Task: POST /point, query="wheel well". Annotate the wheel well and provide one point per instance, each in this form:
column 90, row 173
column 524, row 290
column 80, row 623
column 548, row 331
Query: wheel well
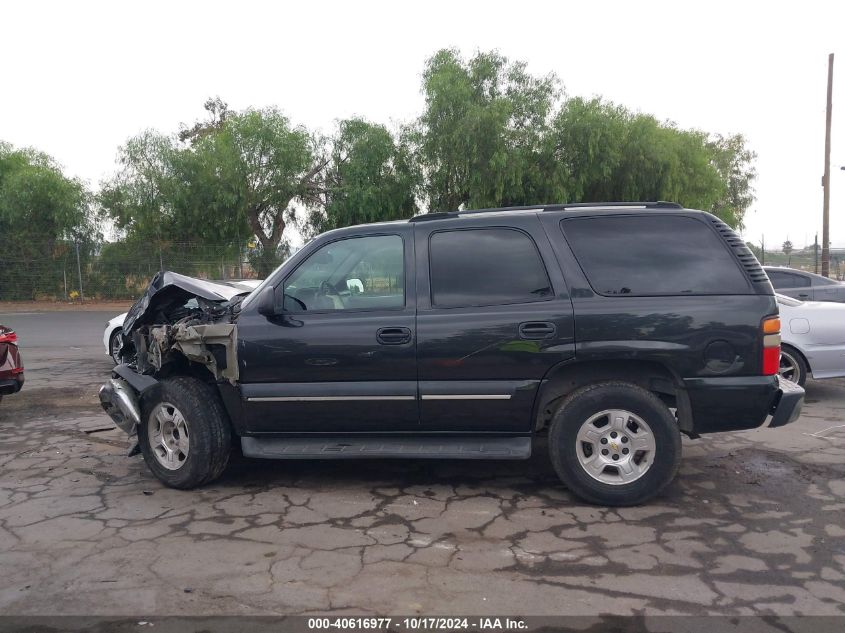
column 179, row 365
column 653, row 376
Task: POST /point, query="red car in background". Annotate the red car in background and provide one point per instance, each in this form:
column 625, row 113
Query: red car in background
column 11, row 365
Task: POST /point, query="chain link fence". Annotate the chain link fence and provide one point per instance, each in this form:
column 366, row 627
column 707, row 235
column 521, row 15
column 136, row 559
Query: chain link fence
column 77, row 271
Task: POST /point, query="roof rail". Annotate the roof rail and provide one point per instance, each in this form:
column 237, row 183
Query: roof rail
column 442, row 215
column 660, row 204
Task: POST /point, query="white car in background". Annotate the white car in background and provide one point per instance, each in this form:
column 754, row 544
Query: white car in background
column 813, row 339
column 228, row 289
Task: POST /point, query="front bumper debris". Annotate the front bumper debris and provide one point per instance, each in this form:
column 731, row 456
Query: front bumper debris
column 118, row 399
column 789, row 404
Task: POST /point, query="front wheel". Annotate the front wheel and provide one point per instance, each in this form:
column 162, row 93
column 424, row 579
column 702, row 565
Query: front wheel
column 615, row 444
column 184, row 433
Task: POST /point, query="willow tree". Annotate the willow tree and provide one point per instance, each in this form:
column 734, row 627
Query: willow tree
column 369, row 178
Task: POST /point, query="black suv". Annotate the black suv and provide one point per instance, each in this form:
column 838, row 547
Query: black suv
column 612, row 327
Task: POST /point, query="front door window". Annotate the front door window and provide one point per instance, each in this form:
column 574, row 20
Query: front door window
column 362, row 273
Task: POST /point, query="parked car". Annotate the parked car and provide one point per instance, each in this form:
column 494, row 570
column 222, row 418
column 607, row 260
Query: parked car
column 813, row 339
column 113, row 341
column 11, row 364
column 805, row 286
column 463, row 335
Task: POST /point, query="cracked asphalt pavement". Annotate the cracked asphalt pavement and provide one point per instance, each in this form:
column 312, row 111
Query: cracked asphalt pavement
column 754, row 523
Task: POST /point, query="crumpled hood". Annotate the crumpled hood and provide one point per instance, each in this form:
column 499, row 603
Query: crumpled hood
column 167, row 290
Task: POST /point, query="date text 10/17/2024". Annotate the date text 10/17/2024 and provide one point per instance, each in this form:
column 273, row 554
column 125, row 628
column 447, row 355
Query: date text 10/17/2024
column 418, row 624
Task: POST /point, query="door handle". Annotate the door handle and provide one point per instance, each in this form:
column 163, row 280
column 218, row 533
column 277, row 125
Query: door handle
column 393, row 335
column 536, row 330
column 803, row 295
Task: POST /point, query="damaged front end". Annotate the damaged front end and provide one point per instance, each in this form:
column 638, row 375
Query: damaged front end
column 179, row 325
column 211, row 345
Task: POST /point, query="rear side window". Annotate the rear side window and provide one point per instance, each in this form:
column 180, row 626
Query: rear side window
column 653, row 255
column 788, row 280
column 479, row 267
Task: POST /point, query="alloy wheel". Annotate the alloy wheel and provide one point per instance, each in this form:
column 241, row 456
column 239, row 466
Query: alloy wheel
column 615, row 447
column 167, row 431
column 788, row 367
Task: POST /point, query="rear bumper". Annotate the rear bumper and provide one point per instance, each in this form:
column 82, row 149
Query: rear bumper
column 9, row 385
column 738, row 403
column 788, row 407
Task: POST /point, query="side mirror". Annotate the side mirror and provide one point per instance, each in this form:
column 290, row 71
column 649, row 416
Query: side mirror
column 355, row 286
column 267, row 301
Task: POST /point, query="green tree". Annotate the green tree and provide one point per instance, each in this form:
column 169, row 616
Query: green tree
column 266, row 170
column 491, row 134
column 369, row 178
column 139, row 198
column 735, row 164
column 610, row 153
column 241, row 174
column 481, row 131
column 43, row 213
column 218, row 111
column 787, row 247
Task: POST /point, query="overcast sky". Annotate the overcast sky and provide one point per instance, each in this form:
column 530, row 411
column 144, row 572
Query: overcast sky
column 79, row 78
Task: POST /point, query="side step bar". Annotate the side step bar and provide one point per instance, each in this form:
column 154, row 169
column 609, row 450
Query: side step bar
column 387, row 447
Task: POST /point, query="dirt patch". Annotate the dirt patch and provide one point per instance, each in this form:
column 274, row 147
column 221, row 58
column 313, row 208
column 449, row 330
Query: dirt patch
column 54, row 400
column 774, row 472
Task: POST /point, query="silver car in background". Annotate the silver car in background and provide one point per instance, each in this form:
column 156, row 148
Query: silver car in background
column 813, row 339
column 805, row 286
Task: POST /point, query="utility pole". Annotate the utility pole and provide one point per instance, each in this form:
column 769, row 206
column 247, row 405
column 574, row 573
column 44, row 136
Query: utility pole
column 816, row 254
column 763, row 249
column 826, row 177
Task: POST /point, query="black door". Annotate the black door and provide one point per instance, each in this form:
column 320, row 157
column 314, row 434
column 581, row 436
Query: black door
column 491, row 322
column 341, row 355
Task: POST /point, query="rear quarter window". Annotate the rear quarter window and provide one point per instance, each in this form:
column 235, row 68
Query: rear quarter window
column 653, row 255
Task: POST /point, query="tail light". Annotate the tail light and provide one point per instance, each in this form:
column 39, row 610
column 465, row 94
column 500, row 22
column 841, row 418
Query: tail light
column 771, row 345
column 7, row 335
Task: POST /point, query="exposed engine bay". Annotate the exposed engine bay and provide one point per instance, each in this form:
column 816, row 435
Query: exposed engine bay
column 181, row 319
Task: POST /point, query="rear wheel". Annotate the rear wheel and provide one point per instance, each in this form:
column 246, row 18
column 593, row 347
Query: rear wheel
column 615, row 444
column 184, row 433
column 792, row 365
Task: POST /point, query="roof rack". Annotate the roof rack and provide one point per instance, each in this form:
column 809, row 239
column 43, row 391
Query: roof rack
column 442, row 215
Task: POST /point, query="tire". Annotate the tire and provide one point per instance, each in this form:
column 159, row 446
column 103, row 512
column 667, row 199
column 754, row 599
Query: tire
column 792, row 365
column 193, row 445
column 645, row 440
column 112, row 340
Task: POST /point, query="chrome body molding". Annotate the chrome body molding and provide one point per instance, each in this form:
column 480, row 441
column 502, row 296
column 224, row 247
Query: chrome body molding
column 478, row 396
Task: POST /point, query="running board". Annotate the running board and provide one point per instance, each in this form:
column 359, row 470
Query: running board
column 392, row 448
